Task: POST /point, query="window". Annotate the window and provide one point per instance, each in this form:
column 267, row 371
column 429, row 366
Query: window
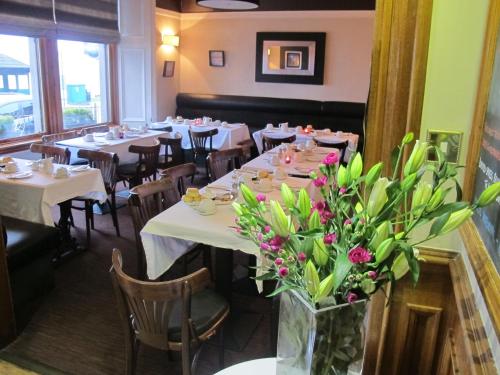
column 20, row 102
column 83, row 79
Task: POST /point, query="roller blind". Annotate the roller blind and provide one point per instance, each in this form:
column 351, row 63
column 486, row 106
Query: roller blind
column 85, row 20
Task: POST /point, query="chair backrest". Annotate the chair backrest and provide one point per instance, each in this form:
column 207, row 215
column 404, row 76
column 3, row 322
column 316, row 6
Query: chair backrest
column 222, row 162
column 269, row 143
column 166, row 128
column 61, row 155
column 53, row 138
column 148, row 158
column 176, row 152
column 95, row 129
column 199, row 140
column 178, row 174
column 145, row 306
column 247, row 145
column 341, row 146
column 106, row 162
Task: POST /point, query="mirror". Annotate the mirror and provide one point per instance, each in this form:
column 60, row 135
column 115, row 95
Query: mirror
column 290, row 57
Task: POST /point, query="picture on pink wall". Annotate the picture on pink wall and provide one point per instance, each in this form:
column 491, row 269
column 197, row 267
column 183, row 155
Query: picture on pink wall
column 168, row 68
column 216, row 58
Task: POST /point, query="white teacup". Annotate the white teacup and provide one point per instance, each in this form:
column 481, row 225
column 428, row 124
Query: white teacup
column 207, row 206
column 168, row 119
column 269, row 127
column 224, row 124
column 89, row 137
column 280, row 173
column 10, row 167
column 327, row 130
column 179, row 118
column 206, row 120
column 284, row 126
column 187, row 122
column 275, row 160
column 116, row 131
column 61, row 172
column 110, row 135
column 217, row 123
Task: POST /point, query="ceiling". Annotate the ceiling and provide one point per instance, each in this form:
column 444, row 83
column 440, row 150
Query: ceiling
column 189, row 6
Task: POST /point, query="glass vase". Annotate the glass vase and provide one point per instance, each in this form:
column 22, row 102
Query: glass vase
column 329, row 340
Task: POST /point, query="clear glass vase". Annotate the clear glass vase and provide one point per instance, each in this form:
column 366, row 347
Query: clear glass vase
column 330, row 340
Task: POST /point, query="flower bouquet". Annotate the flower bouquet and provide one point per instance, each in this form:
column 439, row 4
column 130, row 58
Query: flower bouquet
column 333, row 251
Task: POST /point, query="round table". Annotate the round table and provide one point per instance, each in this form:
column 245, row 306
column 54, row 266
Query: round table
column 262, row 366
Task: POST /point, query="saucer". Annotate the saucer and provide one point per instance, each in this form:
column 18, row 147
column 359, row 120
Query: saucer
column 20, row 175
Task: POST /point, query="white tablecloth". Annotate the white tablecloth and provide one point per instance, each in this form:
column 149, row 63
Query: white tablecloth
column 263, row 366
column 169, row 235
column 333, row 137
column 31, row 198
column 227, row 137
column 118, row 146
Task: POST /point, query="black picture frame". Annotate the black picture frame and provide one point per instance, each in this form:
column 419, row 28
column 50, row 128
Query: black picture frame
column 168, row 68
column 216, row 58
column 316, row 78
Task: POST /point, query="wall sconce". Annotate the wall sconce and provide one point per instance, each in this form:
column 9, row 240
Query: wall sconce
column 170, row 40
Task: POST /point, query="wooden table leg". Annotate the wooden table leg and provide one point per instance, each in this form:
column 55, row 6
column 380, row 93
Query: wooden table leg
column 224, row 272
column 7, row 318
column 69, row 246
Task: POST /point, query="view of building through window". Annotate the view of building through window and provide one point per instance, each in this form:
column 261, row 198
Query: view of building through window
column 82, row 69
column 20, row 102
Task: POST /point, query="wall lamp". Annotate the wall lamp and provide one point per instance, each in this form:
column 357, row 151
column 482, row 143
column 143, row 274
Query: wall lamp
column 170, row 40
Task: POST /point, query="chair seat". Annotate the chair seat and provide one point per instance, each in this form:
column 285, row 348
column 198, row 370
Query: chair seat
column 127, row 169
column 78, row 161
column 27, row 241
column 206, row 308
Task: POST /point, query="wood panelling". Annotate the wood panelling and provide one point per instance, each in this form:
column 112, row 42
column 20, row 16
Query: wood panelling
column 7, row 320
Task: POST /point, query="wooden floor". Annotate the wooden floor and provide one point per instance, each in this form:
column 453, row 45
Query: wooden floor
column 77, row 330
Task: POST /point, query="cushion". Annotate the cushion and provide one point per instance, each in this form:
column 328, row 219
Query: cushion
column 27, row 241
column 206, row 308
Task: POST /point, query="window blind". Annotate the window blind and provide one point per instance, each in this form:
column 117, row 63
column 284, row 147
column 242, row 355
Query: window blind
column 84, row 20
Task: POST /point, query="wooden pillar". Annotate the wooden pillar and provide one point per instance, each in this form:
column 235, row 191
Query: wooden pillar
column 7, row 319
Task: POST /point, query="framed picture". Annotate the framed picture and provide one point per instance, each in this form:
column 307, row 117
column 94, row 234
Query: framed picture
column 168, row 68
column 449, row 142
column 283, row 57
column 216, row 58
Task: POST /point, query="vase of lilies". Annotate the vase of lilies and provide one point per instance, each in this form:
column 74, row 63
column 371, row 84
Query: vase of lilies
column 332, row 251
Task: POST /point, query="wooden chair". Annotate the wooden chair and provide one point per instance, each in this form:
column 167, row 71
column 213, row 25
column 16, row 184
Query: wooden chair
column 199, row 146
column 247, row 146
column 53, row 138
column 95, row 129
column 269, row 143
column 178, row 315
column 222, row 162
column 178, row 174
column 146, row 201
column 60, row 155
column 107, row 163
column 145, row 168
column 173, row 155
column 341, row 146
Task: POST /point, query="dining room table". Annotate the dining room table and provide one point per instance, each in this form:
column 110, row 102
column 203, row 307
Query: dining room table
column 228, row 135
column 303, row 135
column 118, row 146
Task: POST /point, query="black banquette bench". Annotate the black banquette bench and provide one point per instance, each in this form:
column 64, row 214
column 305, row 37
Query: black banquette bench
column 256, row 112
column 29, row 249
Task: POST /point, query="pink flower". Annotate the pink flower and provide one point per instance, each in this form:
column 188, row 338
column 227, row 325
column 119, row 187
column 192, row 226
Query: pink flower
column 291, row 259
column 278, row 261
column 265, row 246
column 331, row 158
column 260, row 236
column 347, row 222
column 359, row 255
column 238, row 230
column 320, row 181
column 329, row 238
column 320, row 206
column 276, row 243
column 267, row 229
column 372, row 275
column 283, row 271
column 301, row 257
column 342, row 190
column 352, row 297
column 260, row 197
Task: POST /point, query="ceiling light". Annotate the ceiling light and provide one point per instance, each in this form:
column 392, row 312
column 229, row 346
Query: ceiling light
column 229, row 4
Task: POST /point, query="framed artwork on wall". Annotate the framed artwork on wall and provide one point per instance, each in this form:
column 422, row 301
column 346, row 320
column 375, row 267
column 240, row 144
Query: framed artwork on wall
column 216, row 58
column 168, row 68
column 284, row 57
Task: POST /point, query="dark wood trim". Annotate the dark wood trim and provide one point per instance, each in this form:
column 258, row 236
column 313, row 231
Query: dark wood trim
column 7, row 319
column 113, row 84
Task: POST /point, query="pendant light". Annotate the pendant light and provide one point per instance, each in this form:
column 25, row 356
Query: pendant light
column 229, row 4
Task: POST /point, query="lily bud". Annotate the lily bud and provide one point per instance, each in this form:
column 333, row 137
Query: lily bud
column 400, row 266
column 288, row 196
column 373, row 174
column 381, row 233
column 489, row 195
column 304, row 204
column 408, row 182
column 436, row 200
column 249, row 196
column 456, row 219
column 356, row 167
column 417, row 158
column 280, row 222
column 378, row 197
column 384, row 250
column 311, row 278
column 314, row 220
column 367, row 286
column 421, row 196
column 408, row 138
column 342, row 176
column 237, row 208
column 325, row 287
column 320, row 254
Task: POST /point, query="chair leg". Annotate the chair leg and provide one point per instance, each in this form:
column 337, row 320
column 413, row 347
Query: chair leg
column 196, row 357
column 131, row 349
column 114, row 215
column 91, row 213
column 71, row 220
column 221, row 348
column 88, row 207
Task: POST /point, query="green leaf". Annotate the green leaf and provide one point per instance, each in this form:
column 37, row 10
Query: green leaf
column 438, row 224
column 267, row 276
column 280, row 290
column 449, row 207
column 341, row 269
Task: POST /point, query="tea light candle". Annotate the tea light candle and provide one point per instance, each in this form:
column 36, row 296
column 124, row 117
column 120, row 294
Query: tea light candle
column 288, row 159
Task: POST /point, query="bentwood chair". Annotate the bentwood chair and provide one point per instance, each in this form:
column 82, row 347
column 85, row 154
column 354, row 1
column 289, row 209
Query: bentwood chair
column 60, row 155
column 173, row 155
column 341, row 146
column 222, row 162
column 144, row 168
column 179, row 174
column 95, row 129
column 269, row 143
column 51, row 139
column 247, row 146
column 178, row 315
column 107, row 163
column 199, row 140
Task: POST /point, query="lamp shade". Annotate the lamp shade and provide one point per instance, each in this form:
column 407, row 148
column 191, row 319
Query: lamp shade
column 229, row 4
column 170, row 40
